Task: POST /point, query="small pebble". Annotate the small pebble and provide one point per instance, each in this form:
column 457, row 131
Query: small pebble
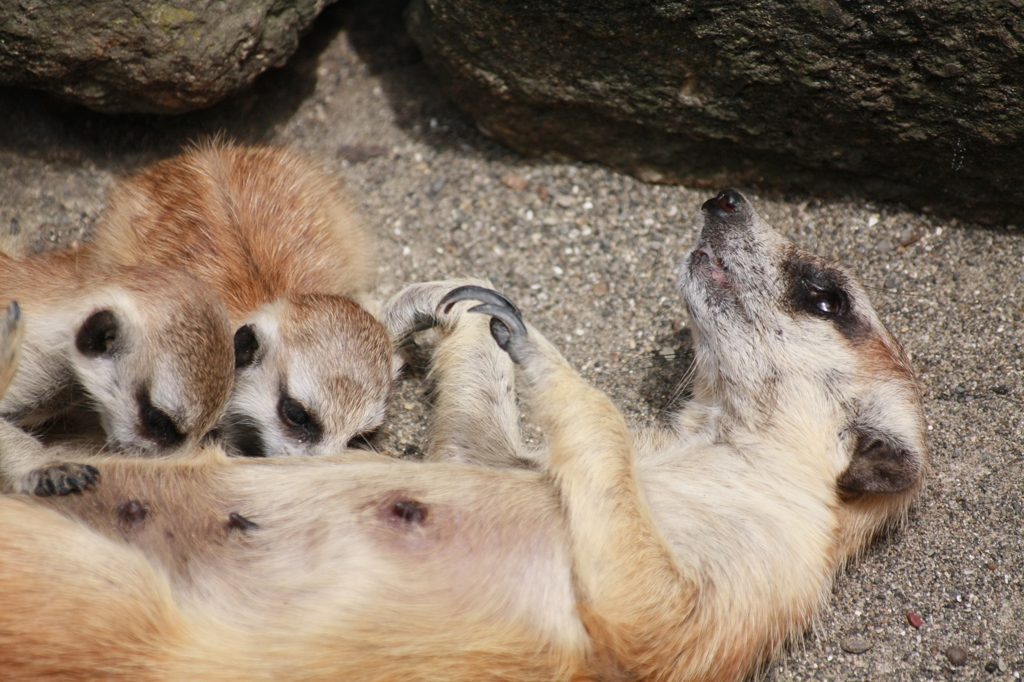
column 855, row 644
column 409, row 406
column 915, row 620
column 957, row 655
column 891, row 282
column 358, row 153
column 1001, row 664
column 513, row 181
column 600, row 289
column 908, row 237
column 991, row 667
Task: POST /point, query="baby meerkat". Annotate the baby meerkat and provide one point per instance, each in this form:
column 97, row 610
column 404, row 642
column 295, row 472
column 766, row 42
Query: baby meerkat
column 148, row 349
column 276, row 238
column 690, row 553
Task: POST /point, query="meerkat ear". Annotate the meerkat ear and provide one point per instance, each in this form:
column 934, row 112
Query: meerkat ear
column 246, row 346
column 880, row 466
column 98, row 335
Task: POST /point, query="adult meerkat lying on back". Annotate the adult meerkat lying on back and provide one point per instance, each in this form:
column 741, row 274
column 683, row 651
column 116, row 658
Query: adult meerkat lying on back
column 690, row 553
column 147, row 348
column 277, row 239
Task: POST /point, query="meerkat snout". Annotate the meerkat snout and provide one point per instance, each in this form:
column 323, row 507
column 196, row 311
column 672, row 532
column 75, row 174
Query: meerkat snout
column 156, row 358
column 313, row 375
column 140, row 357
column 725, row 202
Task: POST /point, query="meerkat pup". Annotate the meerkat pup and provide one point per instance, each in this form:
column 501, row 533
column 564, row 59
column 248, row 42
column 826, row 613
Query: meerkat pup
column 689, row 553
column 149, row 349
column 276, row 238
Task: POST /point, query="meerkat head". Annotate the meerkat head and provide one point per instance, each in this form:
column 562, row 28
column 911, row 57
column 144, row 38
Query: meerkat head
column 788, row 341
column 153, row 351
column 313, row 375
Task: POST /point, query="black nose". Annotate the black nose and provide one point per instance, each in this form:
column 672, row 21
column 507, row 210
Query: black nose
column 725, row 202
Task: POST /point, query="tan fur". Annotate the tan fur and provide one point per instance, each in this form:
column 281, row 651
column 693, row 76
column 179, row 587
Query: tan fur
column 685, row 554
column 171, row 347
column 277, row 239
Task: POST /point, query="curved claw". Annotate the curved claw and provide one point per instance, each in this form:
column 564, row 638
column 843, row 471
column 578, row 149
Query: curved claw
column 63, row 479
column 492, row 303
column 506, row 320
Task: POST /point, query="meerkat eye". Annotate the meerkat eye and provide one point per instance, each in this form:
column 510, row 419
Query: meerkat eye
column 156, row 424
column 98, row 335
column 294, row 413
column 302, row 424
column 824, row 301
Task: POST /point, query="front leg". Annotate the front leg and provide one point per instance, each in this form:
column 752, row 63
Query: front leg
column 28, row 466
column 476, row 418
column 634, row 599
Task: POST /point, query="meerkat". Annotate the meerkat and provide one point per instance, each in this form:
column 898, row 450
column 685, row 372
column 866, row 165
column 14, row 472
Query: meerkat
column 276, row 238
column 686, row 553
column 149, row 349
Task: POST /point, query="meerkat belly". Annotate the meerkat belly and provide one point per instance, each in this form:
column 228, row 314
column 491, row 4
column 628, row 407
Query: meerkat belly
column 348, row 547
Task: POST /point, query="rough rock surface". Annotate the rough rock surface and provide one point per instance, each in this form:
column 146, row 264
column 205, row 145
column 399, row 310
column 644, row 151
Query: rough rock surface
column 121, row 56
column 916, row 101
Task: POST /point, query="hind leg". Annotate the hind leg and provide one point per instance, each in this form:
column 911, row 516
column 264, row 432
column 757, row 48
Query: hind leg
column 476, row 418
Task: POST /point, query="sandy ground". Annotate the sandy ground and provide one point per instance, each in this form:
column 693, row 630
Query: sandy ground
column 589, row 255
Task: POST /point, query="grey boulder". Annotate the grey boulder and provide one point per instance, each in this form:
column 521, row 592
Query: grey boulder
column 121, row 56
column 915, row 101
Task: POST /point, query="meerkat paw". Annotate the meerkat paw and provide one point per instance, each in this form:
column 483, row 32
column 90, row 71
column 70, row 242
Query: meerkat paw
column 415, row 308
column 60, row 479
column 507, row 325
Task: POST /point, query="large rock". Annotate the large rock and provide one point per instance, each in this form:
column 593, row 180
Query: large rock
column 142, row 56
column 916, row 101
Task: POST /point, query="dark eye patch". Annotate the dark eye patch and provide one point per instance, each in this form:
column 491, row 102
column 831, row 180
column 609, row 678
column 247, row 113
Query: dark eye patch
column 246, row 346
column 302, row 425
column 98, row 335
column 822, row 292
column 827, row 302
column 157, row 425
